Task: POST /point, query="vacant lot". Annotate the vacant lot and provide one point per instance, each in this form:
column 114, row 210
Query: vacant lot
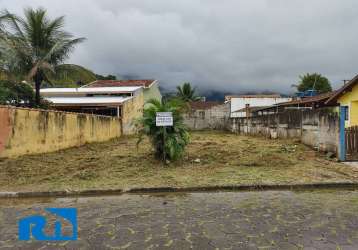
column 212, row 158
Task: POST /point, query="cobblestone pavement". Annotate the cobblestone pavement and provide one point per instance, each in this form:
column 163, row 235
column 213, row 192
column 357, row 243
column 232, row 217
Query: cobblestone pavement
column 227, row 220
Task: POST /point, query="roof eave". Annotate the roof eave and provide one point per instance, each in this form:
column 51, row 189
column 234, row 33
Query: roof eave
column 114, row 104
column 151, row 84
column 348, row 87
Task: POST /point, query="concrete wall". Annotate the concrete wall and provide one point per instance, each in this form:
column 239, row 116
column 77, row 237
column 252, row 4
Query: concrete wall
column 131, row 111
column 316, row 128
column 29, row 131
column 216, row 117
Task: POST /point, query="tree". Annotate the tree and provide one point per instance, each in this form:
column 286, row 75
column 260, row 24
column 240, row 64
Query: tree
column 108, row 77
column 314, row 81
column 168, row 142
column 16, row 94
column 187, row 93
column 34, row 45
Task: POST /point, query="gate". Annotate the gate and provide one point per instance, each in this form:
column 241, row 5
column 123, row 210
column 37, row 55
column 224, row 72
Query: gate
column 351, row 139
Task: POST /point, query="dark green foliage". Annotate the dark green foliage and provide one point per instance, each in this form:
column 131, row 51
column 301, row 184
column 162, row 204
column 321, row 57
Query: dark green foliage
column 176, row 137
column 16, row 94
column 186, row 93
column 70, row 75
column 20, row 94
column 108, row 77
column 314, row 81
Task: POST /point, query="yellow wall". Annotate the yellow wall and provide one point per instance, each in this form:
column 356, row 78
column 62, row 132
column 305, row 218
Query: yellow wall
column 28, row 131
column 131, row 111
column 350, row 99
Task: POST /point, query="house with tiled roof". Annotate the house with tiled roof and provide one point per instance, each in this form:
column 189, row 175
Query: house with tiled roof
column 124, row 102
column 150, row 87
column 124, row 99
column 302, row 103
column 347, row 97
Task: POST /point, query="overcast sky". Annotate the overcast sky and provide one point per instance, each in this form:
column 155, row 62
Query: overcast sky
column 229, row 45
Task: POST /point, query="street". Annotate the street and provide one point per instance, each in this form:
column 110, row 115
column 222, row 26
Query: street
column 325, row 219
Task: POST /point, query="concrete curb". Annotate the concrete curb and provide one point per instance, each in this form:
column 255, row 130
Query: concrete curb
column 67, row 193
column 263, row 187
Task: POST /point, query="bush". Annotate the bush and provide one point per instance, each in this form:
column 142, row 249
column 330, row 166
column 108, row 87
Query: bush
column 16, row 94
column 19, row 94
column 168, row 142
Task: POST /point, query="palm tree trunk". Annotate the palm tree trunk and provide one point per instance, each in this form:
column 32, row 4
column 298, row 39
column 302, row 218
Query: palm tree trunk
column 38, row 81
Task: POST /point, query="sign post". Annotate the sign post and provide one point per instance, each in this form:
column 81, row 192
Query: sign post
column 164, row 119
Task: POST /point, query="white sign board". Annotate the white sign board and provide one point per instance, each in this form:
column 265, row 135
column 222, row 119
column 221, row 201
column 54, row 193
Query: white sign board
column 164, row 119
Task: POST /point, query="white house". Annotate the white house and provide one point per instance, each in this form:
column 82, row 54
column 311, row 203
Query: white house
column 96, row 100
column 239, row 102
column 150, row 87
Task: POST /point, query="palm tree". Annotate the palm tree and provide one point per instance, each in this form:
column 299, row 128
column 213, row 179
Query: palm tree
column 35, row 45
column 3, row 51
column 168, row 142
column 187, row 93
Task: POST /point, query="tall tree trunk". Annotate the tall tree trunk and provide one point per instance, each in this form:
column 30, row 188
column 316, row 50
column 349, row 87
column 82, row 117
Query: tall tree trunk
column 38, row 81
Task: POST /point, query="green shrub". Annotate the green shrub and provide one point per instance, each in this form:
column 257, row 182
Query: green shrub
column 20, row 94
column 168, row 142
column 16, row 94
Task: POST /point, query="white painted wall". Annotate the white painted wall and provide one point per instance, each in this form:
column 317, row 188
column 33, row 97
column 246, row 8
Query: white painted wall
column 238, row 114
column 240, row 102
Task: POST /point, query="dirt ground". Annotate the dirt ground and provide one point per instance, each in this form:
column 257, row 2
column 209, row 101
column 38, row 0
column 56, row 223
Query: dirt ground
column 212, row 158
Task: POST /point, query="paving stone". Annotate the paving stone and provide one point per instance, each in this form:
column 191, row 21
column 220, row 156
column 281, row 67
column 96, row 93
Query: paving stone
column 225, row 220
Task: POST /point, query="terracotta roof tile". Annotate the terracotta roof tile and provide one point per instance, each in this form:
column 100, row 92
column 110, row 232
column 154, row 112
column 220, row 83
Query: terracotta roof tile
column 317, row 98
column 203, row 105
column 119, row 83
column 251, row 109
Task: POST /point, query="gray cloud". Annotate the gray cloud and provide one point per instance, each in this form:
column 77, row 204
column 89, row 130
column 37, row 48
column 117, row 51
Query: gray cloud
column 231, row 45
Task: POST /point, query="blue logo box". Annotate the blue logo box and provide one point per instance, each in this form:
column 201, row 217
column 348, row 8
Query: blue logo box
column 34, row 226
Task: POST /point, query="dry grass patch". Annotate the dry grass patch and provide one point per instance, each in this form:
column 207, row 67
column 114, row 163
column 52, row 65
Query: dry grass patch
column 212, row 158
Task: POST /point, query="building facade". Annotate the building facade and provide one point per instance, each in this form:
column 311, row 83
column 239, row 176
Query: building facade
column 347, row 96
column 239, row 102
column 207, row 115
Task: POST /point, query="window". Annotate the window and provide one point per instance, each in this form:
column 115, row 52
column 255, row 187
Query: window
column 202, row 114
column 346, row 113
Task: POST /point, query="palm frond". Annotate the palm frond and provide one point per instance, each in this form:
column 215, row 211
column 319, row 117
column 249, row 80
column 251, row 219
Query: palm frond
column 186, row 93
column 177, row 137
column 34, row 43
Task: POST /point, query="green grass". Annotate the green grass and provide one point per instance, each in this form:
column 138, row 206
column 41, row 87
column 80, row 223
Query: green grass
column 225, row 159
